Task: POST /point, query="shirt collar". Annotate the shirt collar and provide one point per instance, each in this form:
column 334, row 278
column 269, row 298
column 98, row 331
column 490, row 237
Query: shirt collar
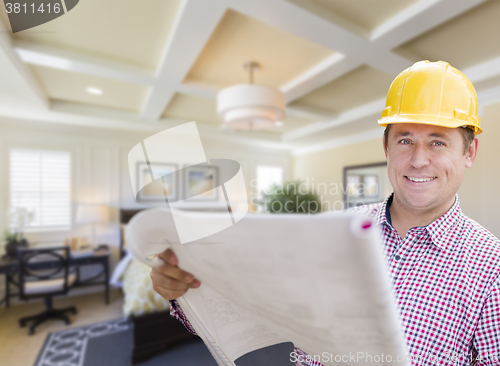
column 436, row 229
column 381, row 215
column 443, row 224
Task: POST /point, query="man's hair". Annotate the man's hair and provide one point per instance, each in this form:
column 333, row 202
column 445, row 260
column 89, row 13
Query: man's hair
column 467, row 135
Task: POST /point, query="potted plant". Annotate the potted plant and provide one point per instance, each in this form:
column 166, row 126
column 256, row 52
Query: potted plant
column 290, row 197
column 19, row 217
column 12, row 243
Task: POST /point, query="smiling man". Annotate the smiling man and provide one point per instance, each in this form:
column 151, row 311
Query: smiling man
column 426, row 165
column 444, row 267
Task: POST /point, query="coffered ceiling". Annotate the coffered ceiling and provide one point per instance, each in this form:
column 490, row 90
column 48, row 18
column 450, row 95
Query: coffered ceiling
column 160, row 63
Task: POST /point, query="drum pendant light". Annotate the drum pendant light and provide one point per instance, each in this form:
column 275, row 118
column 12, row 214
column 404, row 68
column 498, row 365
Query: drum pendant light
column 251, row 107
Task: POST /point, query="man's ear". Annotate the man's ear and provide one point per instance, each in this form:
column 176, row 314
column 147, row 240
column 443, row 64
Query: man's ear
column 471, row 153
column 385, row 147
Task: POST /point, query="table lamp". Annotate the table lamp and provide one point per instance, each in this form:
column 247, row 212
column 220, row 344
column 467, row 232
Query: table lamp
column 92, row 214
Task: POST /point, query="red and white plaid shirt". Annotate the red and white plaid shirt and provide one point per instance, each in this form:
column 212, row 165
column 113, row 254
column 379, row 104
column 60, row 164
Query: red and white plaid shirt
column 446, row 280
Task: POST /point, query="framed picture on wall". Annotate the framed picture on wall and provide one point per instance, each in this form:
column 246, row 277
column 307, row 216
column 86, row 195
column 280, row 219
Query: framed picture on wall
column 198, row 183
column 365, row 184
column 156, row 191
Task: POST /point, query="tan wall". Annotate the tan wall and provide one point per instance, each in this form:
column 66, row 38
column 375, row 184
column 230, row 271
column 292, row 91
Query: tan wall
column 100, row 169
column 480, row 190
column 327, row 167
column 480, row 193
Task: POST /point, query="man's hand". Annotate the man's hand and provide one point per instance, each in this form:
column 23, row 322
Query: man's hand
column 169, row 280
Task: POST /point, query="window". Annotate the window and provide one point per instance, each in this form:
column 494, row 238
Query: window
column 267, row 176
column 40, row 182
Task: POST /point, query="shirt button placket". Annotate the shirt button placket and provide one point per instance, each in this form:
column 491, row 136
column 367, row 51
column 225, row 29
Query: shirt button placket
column 395, row 267
column 397, row 259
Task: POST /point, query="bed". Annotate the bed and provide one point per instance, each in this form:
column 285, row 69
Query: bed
column 154, row 330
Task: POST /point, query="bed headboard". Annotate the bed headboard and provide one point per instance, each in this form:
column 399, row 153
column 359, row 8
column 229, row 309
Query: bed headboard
column 125, row 216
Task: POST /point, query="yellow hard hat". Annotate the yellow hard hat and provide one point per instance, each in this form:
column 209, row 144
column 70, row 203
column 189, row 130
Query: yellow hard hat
column 433, row 93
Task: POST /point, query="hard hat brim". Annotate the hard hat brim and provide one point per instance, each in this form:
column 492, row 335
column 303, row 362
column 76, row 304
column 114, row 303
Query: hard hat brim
column 429, row 120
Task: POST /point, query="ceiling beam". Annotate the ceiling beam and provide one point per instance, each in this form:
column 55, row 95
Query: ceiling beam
column 111, row 114
column 476, row 73
column 20, row 80
column 285, row 15
column 388, row 62
column 309, row 112
column 195, row 22
column 483, row 71
column 370, row 109
column 197, row 89
column 209, row 91
column 376, row 52
column 354, row 49
column 487, row 97
column 107, row 118
column 417, row 19
column 343, row 141
column 319, row 75
column 54, row 58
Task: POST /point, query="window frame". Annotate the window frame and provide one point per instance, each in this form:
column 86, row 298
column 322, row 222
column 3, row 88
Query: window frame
column 260, row 193
column 39, row 233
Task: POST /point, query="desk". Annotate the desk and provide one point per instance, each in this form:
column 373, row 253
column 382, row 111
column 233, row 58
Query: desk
column 10, row 266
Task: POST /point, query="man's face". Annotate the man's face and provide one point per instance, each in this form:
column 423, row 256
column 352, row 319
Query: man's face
column 426, row 165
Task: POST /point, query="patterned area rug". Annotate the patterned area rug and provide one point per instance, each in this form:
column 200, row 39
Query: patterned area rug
column 69, row 347
column 109, row 344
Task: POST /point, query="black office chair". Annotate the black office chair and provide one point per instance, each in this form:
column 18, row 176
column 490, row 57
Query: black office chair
column 45, row 273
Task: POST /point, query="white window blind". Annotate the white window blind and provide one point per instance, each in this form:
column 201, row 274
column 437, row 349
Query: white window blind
column 40, row 181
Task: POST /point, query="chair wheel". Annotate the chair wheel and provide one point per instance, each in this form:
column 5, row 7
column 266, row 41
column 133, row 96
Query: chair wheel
column 31, row 332
column 22, row 324
column 74, row 312
column 67, row 322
